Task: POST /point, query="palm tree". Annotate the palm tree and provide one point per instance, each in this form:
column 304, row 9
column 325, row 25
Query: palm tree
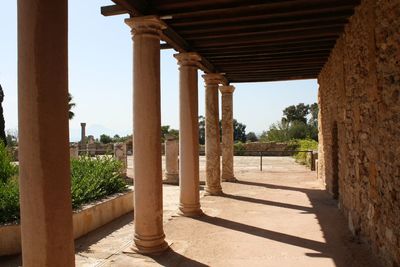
column 2, row 122
column 70, row 106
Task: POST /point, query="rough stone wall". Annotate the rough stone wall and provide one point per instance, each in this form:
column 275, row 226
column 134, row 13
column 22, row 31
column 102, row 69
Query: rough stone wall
column 359, row 99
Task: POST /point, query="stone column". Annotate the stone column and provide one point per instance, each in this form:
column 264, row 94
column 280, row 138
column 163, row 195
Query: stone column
column 227, row 133
column 189, row 201
column 45, row 182
column 83, row 134
column 120, row 155
column 149, row 234
column 171, row 160
column 213, row 179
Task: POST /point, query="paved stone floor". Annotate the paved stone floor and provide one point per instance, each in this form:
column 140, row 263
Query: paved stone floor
column 278, row 217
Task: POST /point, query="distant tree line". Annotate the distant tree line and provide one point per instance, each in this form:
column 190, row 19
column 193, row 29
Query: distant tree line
column 298, row 122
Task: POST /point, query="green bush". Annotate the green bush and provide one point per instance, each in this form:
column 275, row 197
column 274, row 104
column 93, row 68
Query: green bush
column 239, row 148
column 306, row 144
column 9, row 200
column 7, row 168
column 91, row 179
column 95, row 178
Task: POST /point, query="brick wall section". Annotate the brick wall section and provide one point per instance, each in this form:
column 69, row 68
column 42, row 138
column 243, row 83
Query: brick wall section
column 359, row 120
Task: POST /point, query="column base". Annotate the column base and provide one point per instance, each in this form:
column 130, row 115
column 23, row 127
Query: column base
column 213, row 192
column 230, row 180
column 149, row 245
column 171, row 178
column 190, row 210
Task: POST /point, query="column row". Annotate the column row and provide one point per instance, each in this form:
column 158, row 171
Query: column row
column 46, row 213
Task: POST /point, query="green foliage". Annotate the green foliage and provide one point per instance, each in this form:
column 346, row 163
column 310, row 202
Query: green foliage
column 166, row 130
column 251, row 137
column 296, row 113
column 7, row 168
column 9, row 200
column 9, row 197
column 308, row 145
column 239, row 148
column 294, row 125
column 239, row 131
column 202, row 130
column 91, row 179
column 105, row 139
column 95, row 178
column 71, row 104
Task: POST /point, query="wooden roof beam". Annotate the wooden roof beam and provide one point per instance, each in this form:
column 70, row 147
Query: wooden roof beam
column 269, row 7
column 113, row 10
column 216, row 20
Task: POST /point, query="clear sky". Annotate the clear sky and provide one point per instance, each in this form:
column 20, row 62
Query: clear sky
column 100, row 77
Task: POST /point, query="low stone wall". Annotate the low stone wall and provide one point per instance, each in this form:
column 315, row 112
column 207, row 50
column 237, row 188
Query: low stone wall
column 359, row 120
column 252, row 149
column 85, row 220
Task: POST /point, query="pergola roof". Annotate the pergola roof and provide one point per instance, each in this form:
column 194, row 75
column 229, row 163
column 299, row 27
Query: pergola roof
column 249, row 40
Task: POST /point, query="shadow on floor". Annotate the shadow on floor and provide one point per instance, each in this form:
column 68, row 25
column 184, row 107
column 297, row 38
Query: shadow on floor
column 331, row 220
column 171, row 258
column 268, row 202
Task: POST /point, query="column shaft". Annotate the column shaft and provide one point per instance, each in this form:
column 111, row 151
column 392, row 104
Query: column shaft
column 149, row 234
column 213, row 179
column 189, row 201
column 227, row 133
column 45, row 189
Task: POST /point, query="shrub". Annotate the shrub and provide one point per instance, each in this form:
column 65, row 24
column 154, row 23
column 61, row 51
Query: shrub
column 239, row 148
column 9, row 200
column 7, row 168
column 306, row 144
column 91, row 179
column 95, row 178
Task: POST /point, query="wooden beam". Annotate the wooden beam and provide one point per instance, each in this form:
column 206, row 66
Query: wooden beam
column 135, row 7
column 273, row 79
column 212, row 21
column 165, row 46
column 113, row 10
column 289, row 31
column 250, row 54
column 268, row 24
column 269, row 7
column 334, row 33
column 271, row 57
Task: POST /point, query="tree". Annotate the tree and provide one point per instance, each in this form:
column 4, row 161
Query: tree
column 12, row 138
column 71, row 104
column 313, row 121
column 296, row 113
column 251, row 137
column 202, row 130
column 105, row 139
column 277, row 132
column 239, row 131
column 294, row 124
column 165, row 130
column 2, row 122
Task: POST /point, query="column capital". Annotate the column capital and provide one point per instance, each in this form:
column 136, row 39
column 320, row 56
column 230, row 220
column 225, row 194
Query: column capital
column 213, row 78
column 188, row 59
column 227, row 89
column 151, row 25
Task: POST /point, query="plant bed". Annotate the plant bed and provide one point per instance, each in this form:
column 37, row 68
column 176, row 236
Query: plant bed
column 98, row 189
column 88, row 218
